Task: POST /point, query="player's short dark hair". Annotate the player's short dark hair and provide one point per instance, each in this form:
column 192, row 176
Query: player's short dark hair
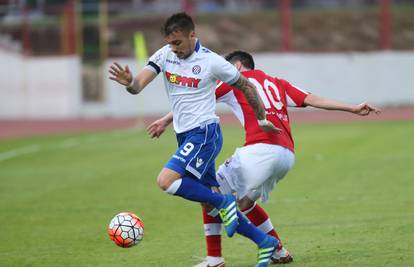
column 245, row 58
column 178, row 22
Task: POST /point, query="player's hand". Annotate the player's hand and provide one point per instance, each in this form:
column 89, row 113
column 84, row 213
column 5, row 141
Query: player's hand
column 364, row 109
column 120, row 75
column 268, row 126
column 156, row 128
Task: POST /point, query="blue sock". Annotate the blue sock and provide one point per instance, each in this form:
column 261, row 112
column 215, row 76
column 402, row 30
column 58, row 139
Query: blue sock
column 195, row 191
column 249, row 230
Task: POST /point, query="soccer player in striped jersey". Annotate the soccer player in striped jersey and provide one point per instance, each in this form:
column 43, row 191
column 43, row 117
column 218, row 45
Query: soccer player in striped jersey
column 254, row 169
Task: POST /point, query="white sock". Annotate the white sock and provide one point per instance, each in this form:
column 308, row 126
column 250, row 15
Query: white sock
column 174, row 187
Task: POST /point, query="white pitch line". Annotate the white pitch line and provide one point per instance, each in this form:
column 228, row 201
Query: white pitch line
column 69, row 143
column 19, row 151
column 65, row 144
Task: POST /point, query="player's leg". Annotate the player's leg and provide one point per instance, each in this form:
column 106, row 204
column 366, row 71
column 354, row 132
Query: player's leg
column 191, row 189
column 279, row 160
column 212, row 233
column 187, row 187
column 266, row 244
column 212, row 226
column 181, row 175
column 258, row 216
column 250, row 168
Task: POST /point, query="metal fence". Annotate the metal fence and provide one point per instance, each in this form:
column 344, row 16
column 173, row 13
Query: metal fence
column 95, row 30
column 74, row 26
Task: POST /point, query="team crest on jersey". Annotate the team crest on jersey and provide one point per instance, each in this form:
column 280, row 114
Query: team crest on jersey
column 182, row 80
column 196, row 69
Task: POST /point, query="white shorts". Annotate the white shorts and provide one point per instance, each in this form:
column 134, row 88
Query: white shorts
column 254, row 170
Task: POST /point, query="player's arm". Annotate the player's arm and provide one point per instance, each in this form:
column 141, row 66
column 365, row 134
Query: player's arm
column 124, row 76
column 250, row 92
column 362, row 109
column 156, row 128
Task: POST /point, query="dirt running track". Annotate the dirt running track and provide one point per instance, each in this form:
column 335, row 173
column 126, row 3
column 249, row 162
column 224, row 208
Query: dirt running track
column 23, row 128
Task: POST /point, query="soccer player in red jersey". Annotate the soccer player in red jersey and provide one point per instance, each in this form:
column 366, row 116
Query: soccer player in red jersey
column 254, row 169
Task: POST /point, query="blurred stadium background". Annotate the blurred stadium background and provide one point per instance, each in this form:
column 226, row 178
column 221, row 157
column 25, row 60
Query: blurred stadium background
column 55, row 54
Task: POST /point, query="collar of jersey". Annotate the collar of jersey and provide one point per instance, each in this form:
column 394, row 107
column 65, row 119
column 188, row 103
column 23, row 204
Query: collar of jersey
column 197, row 46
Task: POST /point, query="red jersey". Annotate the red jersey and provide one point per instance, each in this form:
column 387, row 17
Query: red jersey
column 276, row 94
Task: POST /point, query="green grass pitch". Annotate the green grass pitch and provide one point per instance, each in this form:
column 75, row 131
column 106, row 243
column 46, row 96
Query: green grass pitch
column 349, row 200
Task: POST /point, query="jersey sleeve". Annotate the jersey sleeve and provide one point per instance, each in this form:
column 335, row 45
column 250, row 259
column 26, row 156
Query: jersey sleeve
column 157, row 61
column 223, row 70
column 294, row 95
column 222, row 90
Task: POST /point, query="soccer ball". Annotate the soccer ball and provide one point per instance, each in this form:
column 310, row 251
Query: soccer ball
column 126, row 229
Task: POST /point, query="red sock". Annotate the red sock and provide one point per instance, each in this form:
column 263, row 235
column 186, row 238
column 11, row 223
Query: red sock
column 212, row 232
column 258, row 216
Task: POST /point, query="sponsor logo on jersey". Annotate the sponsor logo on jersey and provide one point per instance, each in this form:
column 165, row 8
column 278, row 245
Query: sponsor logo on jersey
column 182, row 80
column 281, row 116
column 173, row 61
column 199, row 162
column 179, row 158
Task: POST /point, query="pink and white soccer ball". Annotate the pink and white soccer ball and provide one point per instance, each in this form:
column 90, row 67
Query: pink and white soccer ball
column 126, row 229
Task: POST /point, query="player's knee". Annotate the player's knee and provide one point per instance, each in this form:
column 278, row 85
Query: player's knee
column 168, row 184
column 245, row 203
column 163, row 182
column 169, row 180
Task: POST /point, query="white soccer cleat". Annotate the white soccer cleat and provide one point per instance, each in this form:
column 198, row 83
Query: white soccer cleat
column 281, row 256
column 211, row 262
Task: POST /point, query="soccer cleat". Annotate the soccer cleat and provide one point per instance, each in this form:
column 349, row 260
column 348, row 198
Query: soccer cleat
column 205, row 263
column 281, row 256
column 266, row 249
column 228, row 214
